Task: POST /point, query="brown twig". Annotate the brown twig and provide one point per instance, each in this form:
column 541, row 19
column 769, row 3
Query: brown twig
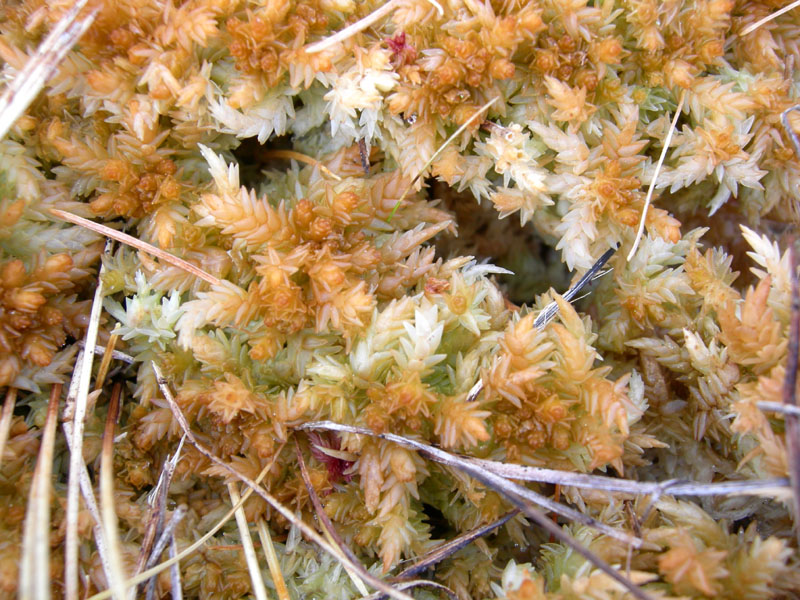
column 450, row 547
column 108, row 354
column 129, row 240
column 118, row 584
column 516, row 494
column 362, row 151
column 34, row 582
column 406, row 585
column 790, row 390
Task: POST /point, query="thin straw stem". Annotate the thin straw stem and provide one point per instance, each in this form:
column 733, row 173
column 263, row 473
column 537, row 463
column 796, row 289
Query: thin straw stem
column 129, row 240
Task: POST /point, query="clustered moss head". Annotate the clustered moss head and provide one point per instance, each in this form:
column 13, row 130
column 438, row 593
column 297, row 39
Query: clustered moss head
column 313, row 183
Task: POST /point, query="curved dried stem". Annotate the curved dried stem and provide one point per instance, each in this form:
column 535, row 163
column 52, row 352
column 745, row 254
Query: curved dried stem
column 303, row 158
column 38, row 70
column 751, row 28
column 129, row 240
column 652, row 185
column 441, row 149
column 76, row 406
column 361, row 25
column 36, row 534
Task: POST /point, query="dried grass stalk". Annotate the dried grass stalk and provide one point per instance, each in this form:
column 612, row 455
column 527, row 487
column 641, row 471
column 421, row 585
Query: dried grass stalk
column 38, row 70
column 118, row 582
column 258, row 588
column 36, row 536
column 272, row 560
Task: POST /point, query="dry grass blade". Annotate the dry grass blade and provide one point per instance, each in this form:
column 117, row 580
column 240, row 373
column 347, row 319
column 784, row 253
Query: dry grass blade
column 353, row 29
column 361, row 25
column 441, row 149
column 751, row 28
column 34, row 581
column 258, row 587
column 87, row 490
column 790, row 390
column 38, row 70
column 129, row 240
column 118, row 583
column 659, row 164
column 76, row 411
column 450, row 547
column 516, row 494
column 5, row 420
column 327, row 526
column 108, row 354
column 269, row 498
column 272, row 560
column 303, row 158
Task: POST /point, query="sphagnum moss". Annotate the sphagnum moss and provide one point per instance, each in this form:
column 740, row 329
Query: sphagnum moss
column 322, row 296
